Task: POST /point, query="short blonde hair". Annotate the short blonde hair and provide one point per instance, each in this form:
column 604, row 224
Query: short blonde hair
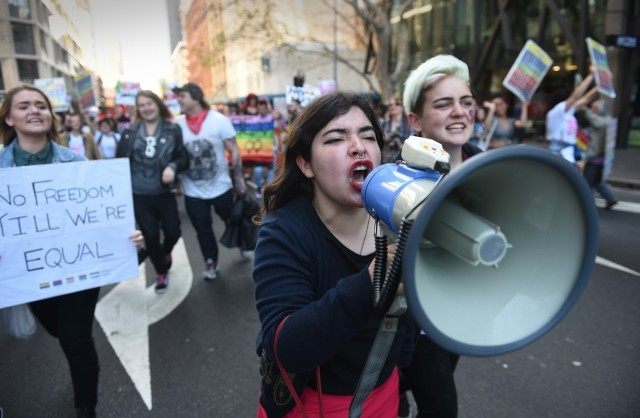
column 429, row 73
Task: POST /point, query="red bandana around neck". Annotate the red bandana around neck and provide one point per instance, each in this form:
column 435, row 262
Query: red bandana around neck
column 194, row 122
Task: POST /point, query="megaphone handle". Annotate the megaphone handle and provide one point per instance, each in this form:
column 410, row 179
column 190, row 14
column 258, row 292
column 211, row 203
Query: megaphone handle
column 379, row 266
column 390, row 285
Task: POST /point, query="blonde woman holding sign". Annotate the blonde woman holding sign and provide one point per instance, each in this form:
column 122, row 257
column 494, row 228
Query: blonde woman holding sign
column 29, row 133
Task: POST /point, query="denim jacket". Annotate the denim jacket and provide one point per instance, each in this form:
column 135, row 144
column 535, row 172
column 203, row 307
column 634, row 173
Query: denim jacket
column 60, row 155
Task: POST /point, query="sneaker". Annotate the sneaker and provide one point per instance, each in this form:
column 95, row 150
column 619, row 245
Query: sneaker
column 610, row 204
column 168, row 260
column 211, row 272
column 162, row 281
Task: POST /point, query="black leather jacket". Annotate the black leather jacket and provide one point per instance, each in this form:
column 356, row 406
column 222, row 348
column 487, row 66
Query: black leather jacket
column 171, row 153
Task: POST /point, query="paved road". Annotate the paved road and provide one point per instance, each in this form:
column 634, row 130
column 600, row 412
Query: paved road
column 203, row 364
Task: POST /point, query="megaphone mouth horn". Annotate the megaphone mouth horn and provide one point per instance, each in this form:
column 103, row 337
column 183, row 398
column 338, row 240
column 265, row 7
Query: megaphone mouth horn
column 547, row 214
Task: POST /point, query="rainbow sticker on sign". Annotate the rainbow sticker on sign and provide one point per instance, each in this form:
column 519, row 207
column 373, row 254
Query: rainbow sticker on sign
column 527, row 71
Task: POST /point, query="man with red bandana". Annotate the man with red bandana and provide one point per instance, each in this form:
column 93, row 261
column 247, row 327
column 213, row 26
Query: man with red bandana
column 207, row 134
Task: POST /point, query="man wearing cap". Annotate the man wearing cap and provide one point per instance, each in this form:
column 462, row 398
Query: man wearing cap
column 207, row 134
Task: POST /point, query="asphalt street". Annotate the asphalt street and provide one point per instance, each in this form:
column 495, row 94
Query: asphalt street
column 203, row 364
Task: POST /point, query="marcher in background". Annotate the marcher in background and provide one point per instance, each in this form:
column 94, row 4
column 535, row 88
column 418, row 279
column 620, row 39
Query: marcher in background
column 506, row 128
column 250, row 105
column 293, row 109
column 156, row 154
column 122, row 118
column 30, row 135
column 440, row 106
column 78, row 141
column 206, row 183
column 561, row 124
column 484, row 125
column 313, row 268
column 396, row 129
column 595, row 120
column 107, row 138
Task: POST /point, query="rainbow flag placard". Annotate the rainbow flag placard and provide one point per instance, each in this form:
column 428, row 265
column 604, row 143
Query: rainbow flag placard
column 255, row 138
column 602, row 73
column 527, row 71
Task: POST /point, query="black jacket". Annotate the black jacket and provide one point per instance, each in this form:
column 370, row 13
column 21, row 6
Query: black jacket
column 171, row 153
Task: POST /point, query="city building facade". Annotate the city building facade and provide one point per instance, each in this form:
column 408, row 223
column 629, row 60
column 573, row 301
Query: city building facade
column 237, row 48
column 29, row 49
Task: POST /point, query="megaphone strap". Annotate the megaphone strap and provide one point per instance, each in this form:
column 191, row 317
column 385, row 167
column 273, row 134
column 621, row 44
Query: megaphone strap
column 375, row 361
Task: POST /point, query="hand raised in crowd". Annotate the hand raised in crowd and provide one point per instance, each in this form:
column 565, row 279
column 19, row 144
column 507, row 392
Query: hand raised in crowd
column 489, row 105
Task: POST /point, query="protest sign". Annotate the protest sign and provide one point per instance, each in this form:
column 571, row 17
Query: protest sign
column 602, row 74
column 84, row 87
column 64, row 228
column 126, row 93
column 255, row 138
column 527, row 71
column 56, row 90
column 304, row 95
column 326, row 86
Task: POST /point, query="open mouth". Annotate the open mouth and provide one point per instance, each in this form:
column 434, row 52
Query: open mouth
column 456, row 127
column 359, row 172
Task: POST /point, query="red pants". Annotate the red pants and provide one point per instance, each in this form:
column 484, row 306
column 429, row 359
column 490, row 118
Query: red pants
column 382, row 402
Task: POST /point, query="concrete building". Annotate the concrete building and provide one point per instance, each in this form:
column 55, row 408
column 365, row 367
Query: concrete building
column 180, row 64
column 29, row 49
column 242, row 47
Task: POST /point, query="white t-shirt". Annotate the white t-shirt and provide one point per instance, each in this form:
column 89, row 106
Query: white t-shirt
column 562, row 124
column 76, row 143
column 208, row 173
column 107, row 143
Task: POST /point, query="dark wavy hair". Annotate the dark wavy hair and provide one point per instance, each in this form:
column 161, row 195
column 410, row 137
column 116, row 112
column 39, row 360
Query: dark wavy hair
column 8, row 133
column 289, row 182
column 164, row 110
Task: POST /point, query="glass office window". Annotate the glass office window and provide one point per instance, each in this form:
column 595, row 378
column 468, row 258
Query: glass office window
column 43, row 14
column 44, row 42
column 23, row 38
column 19, row 9
column 27, row 71
column 61, row 56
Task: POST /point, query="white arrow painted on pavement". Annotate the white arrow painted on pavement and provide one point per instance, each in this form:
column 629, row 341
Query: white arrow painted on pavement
column 616, row 266
column 125, row 319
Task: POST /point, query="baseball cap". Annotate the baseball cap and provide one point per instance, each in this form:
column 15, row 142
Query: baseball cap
column 192, row 88
column 194, row 91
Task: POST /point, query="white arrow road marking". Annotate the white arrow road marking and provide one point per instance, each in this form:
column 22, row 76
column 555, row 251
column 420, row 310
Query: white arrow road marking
column 611, row 264
column 125, row 319
column 630, row 207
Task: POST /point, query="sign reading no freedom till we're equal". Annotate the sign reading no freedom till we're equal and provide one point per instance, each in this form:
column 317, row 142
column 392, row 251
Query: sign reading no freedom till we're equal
column 64, row 228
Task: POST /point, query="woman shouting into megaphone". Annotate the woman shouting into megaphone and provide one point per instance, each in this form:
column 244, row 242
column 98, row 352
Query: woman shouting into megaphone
column 313, row 268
